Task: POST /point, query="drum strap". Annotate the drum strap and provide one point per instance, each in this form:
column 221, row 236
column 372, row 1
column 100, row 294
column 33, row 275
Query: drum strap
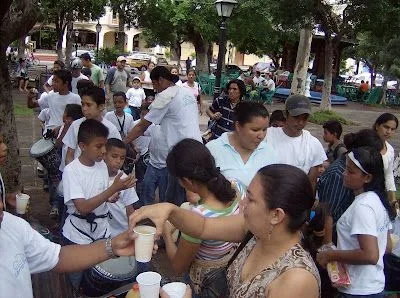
column 121, row 126
column 86, row 234
column 90, row 218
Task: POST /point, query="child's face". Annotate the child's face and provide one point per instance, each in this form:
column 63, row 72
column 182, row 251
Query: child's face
column 119, row 104
column 90, row 109
column 277, row 123
column 3, row 150
column 58, row 84
column 329, row 137
column 136, row 84
column 94, row 151
column 115, row 158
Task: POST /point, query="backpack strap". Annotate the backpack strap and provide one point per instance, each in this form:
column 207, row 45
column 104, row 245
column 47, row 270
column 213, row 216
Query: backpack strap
column 240, row 248
column 335, row 152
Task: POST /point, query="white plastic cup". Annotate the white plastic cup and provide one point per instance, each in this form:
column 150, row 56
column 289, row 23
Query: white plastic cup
column 175, row 289
column 149, row 284
column 144, row 243
column 22, row 202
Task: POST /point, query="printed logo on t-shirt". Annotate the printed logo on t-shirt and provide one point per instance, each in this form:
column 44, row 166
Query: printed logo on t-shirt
column 19, row 264
column 188, row 100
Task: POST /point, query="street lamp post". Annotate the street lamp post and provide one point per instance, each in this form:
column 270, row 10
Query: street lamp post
column 98, row 29
column 224, row 10
column 76, row 42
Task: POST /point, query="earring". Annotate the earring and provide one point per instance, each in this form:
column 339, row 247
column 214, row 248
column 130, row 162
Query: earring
column 271, row 228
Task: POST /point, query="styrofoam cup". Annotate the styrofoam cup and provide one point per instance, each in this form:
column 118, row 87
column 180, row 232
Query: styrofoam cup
column 144, row 243
column 22, row 203
column 149, row 284
column 175, row 289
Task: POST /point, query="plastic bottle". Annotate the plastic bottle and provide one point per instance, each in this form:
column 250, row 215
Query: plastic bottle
column 134, row 292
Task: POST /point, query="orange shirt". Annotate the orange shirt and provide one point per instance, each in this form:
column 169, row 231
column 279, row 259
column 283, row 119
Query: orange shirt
column 364, row 87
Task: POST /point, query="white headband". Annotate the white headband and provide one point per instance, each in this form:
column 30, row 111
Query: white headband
column 356, row 162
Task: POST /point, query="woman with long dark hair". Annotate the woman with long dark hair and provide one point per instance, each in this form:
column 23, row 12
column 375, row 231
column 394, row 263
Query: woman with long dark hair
column 194, row 167
column 363, row 228
column 274, row 262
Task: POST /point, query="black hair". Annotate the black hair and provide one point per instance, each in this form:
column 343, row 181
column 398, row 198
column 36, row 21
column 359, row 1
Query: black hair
column 191, row 70
column 277, row 115
column 334, row 127
column 365, row 137
column 240, row 84
column 385, row 117
column 60, row 63
column 117, row 143
column 96, row 94
column 192, row 160
column 64, row 75
column 120, row 93
column 74, row 111
column 362, row 82
column 163, row 72
column 371, row 161
column 82, row 85
column 90, row 129
column 86, row 72
column 294, row 195
column 245, row 111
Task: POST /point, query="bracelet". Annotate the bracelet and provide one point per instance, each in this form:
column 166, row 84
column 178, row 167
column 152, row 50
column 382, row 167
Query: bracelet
column 109, row 249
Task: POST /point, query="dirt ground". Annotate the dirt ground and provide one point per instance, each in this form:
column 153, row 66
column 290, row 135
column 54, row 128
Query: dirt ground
column 29, row 131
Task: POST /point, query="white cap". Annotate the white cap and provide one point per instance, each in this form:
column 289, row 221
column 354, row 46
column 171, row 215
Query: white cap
column 137, row 78
column 121, row 58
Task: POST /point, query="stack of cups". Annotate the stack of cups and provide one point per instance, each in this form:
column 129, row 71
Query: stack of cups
column 149, row 284
column 22, row 203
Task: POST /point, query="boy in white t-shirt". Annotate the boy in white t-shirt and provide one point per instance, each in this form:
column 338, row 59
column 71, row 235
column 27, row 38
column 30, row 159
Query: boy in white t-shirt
column 135, row 96
column 122, row 120
column 86, row 190
column 295, row 145
column 93, row 103
column 44, row 117
column 48, row 86
column 123, row 207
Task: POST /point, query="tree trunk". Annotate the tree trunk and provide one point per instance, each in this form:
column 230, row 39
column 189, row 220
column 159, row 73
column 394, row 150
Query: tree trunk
column 68, row 52
column 372, row 69
column 201, row 48
column 176, row 51
column 121, row 30
column 60, row 38
column 302, row 62
column 326, row 91
column 384, row 88
column 21, row 47
column 12, row 169
column 357, row 66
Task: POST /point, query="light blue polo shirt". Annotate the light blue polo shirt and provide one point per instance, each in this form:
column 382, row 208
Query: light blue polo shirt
column 232, row 165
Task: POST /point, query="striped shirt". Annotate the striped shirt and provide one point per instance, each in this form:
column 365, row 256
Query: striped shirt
column 225, row 123
column 212, row 249
column 331, row 190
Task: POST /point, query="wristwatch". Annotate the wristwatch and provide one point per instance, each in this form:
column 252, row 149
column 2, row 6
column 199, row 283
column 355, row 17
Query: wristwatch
column 109, row 249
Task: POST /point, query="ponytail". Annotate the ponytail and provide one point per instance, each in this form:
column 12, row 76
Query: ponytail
column 221, row 188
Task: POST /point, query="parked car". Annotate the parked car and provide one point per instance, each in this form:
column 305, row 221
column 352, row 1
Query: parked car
column 80, row 52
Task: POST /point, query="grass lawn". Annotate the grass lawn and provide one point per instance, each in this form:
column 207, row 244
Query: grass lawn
column 321, row 116
column 22, row 110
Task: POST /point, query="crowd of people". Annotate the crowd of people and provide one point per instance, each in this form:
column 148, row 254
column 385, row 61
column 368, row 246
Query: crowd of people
column 131, row 149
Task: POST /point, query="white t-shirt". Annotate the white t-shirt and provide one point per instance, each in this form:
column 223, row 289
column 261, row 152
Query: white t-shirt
column 44, row 116
column 124, row 124
column 388, row 162
column 135, row 97
column 50, row 81
column 147, row 83
column 71, row 137
column 157, row 149
column 258, row 81
column 365, row 216
column 75, row 81
column 179, row 119
column 142, row 143
column 303, row 152
column 270, row 84
column 195, row 89
column 64, row 150
column 23, row 252
column 119, row 221
column 56, row 104
column 80, row 181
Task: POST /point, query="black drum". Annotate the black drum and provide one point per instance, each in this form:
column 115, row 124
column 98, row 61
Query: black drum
column 45, row 152
column 108, row 276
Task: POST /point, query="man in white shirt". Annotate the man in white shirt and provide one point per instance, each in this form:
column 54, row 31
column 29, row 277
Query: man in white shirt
column 258, row 80
column 48, row 86
column 175, row 110
column 76, row 68
column 295, row 145
column 135, row 97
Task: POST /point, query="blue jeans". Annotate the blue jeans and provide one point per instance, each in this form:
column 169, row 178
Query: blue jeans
column 135, row 112
column 75, row 278
column 152, row 179
column 175, row 193
column 343, row 295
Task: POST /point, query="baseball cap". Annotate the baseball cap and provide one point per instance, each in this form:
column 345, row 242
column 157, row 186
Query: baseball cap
column 137, row 78
column 121, row 58
column 297, row 105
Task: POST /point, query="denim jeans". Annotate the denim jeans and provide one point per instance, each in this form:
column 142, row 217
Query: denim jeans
column 152, row 179
column 140, row 170
column 75, row 278
column 135, row 111
column 343, row 295
column 175, row 193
